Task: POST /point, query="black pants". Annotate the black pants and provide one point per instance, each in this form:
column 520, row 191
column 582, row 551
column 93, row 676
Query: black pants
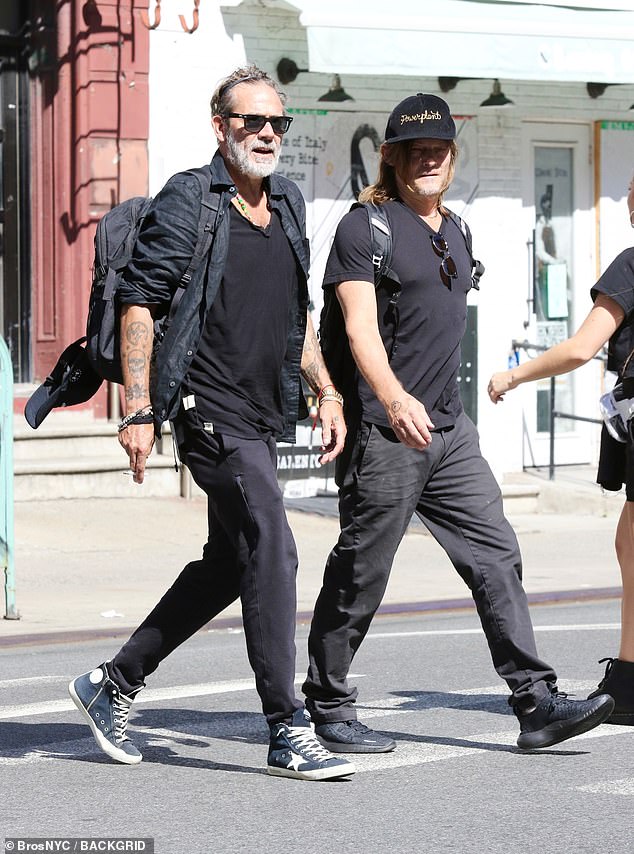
column 250, row 553
column 451, row 488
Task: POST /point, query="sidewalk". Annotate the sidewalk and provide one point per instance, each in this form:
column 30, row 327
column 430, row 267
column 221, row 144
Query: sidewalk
column 98, row 566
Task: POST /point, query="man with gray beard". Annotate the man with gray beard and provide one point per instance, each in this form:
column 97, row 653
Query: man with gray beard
column 227, row 376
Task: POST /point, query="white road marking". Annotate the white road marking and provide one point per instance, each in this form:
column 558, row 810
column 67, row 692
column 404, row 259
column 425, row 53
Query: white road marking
column 610, row 787
column 32, row 680
column 407, row 753
column 593, row 627
column 148, row 695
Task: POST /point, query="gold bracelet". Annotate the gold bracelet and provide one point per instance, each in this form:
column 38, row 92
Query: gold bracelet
column 333, row 396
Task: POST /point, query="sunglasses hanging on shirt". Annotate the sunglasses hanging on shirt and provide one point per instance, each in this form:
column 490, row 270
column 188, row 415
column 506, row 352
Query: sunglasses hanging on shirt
column 448, row 269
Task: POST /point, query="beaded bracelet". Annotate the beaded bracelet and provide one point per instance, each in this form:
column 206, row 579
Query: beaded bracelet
column 145, row 415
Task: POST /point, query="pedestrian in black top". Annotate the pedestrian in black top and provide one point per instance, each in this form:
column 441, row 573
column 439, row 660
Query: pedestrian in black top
column 414, row 450
column 228, row 375
column 611, row 319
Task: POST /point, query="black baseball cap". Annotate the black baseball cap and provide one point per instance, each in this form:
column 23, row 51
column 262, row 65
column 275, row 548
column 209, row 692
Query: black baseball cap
column 73, row 380
column 420, row 117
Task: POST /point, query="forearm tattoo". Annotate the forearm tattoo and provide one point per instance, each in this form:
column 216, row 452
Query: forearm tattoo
column 312, row 361
column 136, row 353
column 137, row 334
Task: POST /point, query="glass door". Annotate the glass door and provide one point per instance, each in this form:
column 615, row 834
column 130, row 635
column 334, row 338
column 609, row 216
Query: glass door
column 559, row 228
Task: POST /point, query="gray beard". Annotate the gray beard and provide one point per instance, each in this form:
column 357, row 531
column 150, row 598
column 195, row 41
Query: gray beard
column 239, row 158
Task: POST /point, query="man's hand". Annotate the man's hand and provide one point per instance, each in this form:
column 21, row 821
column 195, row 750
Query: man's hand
column 409, row 421
column 137, row 440
column 333, row 430
column 499, row 384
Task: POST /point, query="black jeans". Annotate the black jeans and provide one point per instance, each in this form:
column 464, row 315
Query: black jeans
column 250, row 553
column 451, row 488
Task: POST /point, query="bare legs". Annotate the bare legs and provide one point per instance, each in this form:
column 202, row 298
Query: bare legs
column 624, row 544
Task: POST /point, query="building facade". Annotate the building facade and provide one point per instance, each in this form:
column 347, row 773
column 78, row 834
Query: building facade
column 119, row 107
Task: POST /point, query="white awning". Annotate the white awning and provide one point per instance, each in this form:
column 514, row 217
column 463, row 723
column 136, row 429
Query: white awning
column 586, row 40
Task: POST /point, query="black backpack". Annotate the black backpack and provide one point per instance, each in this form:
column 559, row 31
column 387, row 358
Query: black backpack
column 80, row 370
column 332, row 330
column 116, row 234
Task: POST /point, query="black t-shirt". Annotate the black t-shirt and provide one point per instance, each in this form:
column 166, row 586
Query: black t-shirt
column 618, row 283
column 431, row 316
column 235, row 374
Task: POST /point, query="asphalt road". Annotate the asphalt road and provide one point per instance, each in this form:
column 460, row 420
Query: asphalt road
column 456, row 782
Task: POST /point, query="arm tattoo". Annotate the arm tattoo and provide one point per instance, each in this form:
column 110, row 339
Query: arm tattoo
column 311, row 375
column 312, row 361
column 136, row 360
column 137, row 333
column 136, row 391
column 395, row 406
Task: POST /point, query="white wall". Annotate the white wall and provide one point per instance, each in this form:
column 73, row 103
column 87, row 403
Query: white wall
column 184, row 70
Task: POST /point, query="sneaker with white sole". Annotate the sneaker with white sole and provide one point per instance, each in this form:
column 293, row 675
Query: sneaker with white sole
column 106, row 711
column 294, row 751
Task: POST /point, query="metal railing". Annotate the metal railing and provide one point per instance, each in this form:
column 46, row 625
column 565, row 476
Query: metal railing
column 554, row 413
column 6, row 481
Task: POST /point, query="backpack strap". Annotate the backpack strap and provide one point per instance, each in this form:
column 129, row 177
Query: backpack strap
column 381, row 237
column 381, row 240
column 207, row 223
column 477, row 267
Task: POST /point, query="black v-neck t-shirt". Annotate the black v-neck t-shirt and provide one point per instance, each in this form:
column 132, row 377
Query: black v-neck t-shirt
column 432, row 315
column 235, row 374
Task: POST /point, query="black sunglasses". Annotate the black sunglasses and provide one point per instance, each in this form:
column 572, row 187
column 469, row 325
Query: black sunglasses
column 254, row 123
column 448, row 269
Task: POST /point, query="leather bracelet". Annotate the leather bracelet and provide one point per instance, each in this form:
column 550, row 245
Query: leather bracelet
column 145, row 415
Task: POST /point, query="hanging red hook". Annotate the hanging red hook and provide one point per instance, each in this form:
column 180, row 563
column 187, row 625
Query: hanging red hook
column 157, row 17
column 184, row 22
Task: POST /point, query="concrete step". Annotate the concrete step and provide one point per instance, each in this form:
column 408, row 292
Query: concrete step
column 92, row 477
column 520, row 498
column 92, row 438
column 572, row 491
column 72, row 455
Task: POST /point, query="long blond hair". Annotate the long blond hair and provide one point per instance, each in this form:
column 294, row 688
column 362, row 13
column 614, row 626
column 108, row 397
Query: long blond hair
column 385, row 187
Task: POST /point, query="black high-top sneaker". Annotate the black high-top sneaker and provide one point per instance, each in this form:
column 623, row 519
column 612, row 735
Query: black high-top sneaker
column 618, row 682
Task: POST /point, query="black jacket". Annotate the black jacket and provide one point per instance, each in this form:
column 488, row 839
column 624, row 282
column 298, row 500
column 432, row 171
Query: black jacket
column 162, row 254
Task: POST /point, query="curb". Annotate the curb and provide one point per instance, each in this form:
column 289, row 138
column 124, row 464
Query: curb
column 304, row 617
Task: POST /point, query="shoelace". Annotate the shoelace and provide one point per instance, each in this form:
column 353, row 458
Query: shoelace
column 608, row 668
column 561, row 702
column 120, row 712
column 357, row 726
column 304, row 739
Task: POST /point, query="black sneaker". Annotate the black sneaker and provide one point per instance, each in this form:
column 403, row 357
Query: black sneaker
column 618, row 682
column 353, row 737
column 295, row 752
column 557, row 718
column 106, row 711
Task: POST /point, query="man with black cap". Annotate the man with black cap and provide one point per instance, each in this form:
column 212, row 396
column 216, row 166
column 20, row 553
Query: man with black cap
column 412, row 449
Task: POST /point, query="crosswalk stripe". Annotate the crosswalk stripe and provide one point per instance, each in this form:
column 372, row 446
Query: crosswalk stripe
column 591, row 627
